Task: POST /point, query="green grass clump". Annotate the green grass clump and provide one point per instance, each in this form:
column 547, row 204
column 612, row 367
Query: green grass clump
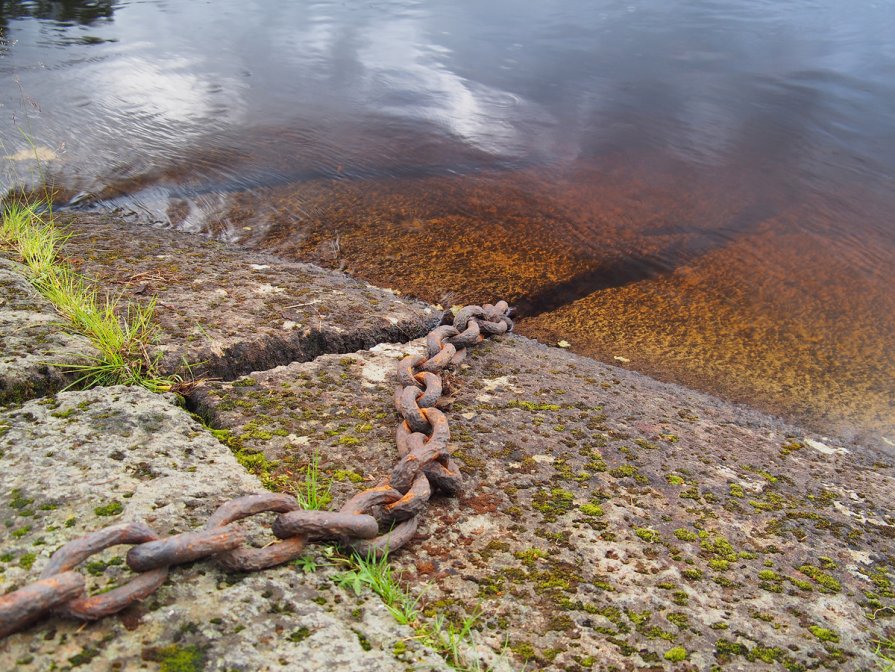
column 591, row 509
column 824, row 634
column 111, row 509
column 648, row 535
column 376, row 574
column 533, row 406
column 684, row 534
column 122, row 336
column 314, row 493
column 447, row 637
column 828, row 583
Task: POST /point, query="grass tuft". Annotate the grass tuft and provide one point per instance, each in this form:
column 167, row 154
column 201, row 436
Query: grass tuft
column 376, row 574
column 449, row 639
column 314, row 493
column 452, row 641
column 122, row 336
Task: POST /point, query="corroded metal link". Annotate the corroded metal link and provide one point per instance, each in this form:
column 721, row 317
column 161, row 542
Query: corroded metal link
column 441, row 431
column 409, row 467
column 325, row 525
column 499, row 312
column 471, row 336
column 406, row 439
column 432, row 393
column 435, row 337
column 493, row 328
column 105, row 604
column 77, row 551
column 409, row 401
column 405, row 402
column 389, row 542
column 442, row 359
column 406, row 372
column 495, row 312
column 363, row 502
column 255, row 559
column 445, row 476
column 184, row 547
column 503, row 312
column 250, row 559
column 402, row 438
column 249, row 505
column 413, row 503
column 22, row 606
column 464, row 315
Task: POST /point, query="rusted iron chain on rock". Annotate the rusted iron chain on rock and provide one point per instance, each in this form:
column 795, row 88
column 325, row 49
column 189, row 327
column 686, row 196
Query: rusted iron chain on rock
column 394, row 505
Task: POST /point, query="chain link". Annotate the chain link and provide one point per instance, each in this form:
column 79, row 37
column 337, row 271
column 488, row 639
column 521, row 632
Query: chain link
column 394, row 505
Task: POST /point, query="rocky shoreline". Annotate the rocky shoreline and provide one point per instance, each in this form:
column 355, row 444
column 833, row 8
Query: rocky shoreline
column 608, row 521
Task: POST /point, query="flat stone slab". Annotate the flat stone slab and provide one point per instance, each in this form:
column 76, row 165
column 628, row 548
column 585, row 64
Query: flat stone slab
column 225, row 311
column 34, row 340
column 80, row 461
column 608, row 521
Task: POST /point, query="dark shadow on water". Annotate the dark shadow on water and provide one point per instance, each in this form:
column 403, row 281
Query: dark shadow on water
column 637, row 267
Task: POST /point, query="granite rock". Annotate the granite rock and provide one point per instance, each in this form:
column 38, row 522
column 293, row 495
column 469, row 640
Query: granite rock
column 608, row 521
column 79, row 461
column 35, row 342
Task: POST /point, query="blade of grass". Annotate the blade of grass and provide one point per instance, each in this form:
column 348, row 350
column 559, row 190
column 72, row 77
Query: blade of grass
column 885, row 651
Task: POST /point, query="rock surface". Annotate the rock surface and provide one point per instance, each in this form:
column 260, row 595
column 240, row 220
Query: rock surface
column 79, row 461
column 608, row 521
column 34, row 341
column 224, row 311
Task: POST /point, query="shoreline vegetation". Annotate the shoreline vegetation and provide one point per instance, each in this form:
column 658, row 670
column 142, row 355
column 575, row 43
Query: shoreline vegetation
column 123, row 334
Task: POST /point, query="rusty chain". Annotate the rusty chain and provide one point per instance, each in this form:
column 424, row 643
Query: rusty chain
column 393, row 505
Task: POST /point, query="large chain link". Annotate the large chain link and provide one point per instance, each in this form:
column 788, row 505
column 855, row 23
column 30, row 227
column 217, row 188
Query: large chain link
column 375, row 521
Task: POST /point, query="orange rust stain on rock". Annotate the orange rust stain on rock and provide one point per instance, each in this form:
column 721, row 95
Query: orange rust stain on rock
column 482, row 503
column 436, row 551
column 425, row 567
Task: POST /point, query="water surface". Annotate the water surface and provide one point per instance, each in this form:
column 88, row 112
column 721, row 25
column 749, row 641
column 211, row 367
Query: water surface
column 699, row 190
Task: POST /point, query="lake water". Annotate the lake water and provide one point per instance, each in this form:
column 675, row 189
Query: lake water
column 701, row 190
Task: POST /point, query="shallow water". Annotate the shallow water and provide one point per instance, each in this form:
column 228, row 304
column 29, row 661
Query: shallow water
column 703, row 189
